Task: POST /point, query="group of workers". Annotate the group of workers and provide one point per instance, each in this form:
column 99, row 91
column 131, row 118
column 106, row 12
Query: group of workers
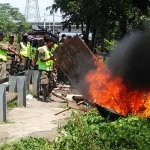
column 29, row 56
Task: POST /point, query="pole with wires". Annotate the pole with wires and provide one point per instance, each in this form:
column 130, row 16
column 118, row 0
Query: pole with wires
column 53, row 24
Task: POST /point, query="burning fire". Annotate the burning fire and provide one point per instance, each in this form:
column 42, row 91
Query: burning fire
column 112, row 93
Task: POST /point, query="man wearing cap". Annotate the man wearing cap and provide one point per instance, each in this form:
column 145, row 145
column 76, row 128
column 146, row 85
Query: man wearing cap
column 11, row 56
column 31, row 51
column 25, row 51
column 45, row 66
column 3, row 55
column 64, row 38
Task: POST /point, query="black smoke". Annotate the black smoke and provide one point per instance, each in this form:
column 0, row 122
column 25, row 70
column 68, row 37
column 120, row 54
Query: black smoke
column 130, row 60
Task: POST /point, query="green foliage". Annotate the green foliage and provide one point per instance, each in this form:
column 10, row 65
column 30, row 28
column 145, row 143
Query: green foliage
column 11, row 20
column 90, row 131
column 112, row 18
column 28, row 144
column 12, row 104
column 109, row 45
column 9, row 122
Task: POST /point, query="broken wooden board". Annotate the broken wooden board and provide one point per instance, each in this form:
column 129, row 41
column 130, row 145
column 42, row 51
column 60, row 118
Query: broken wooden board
column 77, row 106
column 75, row 59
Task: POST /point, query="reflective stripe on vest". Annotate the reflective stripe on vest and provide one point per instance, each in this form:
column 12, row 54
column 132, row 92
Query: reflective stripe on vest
column 55, row 46
column 25, row 50
column 47, row 65
column 29, row 48
column 3, row 55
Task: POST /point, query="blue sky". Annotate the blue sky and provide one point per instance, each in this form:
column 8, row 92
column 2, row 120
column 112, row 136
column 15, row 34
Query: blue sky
column 42, row 5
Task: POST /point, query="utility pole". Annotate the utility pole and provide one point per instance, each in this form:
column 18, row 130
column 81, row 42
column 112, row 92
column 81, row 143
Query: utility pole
column 44, row 19
column 32, row 11
column 53, row 24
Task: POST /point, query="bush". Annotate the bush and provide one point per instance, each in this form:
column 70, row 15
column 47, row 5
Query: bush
column 28, row 144
column 91, row 132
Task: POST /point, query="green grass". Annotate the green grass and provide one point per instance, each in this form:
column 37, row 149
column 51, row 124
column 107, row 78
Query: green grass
column 91, row 132
column 9, row 122
column 28, row 144
column 12, row 104
column 29, row 91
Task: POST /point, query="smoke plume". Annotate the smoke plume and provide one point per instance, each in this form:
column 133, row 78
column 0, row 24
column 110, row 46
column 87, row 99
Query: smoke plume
column 130, row 60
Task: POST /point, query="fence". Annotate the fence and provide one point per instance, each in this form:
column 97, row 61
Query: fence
column 18, row 84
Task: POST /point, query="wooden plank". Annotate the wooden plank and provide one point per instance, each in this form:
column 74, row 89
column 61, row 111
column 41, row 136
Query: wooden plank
column 63, row 111
column 75, row 59
column 78, row 106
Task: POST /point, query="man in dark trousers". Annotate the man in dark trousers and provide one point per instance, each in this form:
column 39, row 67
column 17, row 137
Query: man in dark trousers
column 25, row 51
column 3, row 55
column 12, row 59
column 45, row 66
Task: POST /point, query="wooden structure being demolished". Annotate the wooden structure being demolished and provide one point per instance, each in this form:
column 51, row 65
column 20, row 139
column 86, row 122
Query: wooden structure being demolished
column 75, row 59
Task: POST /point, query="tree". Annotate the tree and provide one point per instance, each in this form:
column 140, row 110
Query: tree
column 12, row 20
column 110, row 19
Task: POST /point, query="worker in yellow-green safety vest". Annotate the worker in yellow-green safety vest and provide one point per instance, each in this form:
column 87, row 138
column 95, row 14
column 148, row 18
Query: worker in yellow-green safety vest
column 25, row 51
column 3, row 55
column 55, row 46
column 45, row 66
column 36, row 46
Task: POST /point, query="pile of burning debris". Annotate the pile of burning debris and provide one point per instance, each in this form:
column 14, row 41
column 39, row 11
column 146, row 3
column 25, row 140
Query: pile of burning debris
column 117, row 89
column 72, row 97
column 75, row 100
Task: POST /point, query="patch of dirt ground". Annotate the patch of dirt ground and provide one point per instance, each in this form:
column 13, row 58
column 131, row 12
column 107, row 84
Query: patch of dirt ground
column 38, row 119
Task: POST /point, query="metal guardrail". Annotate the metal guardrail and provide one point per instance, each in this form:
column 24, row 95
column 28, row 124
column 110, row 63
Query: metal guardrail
column 18, row 84
column 4, row 80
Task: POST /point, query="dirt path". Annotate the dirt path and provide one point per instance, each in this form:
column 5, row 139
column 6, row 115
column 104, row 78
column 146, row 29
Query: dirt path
column 37, row 120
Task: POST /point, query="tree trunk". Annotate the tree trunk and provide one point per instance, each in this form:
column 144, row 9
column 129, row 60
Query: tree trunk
column 82, row 27
column 123, row 26
column 102, row 43
column 93, row 40
column 86, row 35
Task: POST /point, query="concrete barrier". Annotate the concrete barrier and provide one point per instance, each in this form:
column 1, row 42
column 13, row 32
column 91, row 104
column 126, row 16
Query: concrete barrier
column 3, row 103
column 21, row 90
column 33, row 77
column 18, row 84
column 35, row 82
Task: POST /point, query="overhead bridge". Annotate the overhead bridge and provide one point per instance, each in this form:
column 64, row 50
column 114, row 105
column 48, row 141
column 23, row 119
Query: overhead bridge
column 57, row 26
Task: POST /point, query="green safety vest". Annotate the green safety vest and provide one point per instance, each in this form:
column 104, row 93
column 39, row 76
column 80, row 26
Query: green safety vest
column 60, row 43
column 25, row 50
column 55, row 46
column 47, row 65
column 34, row 50
column 3, row 55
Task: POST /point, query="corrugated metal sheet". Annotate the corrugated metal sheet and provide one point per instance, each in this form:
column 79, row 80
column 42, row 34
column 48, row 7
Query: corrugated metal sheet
column 75, row 60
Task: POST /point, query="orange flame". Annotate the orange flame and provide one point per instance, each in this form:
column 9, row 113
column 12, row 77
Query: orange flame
column 112, row 93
